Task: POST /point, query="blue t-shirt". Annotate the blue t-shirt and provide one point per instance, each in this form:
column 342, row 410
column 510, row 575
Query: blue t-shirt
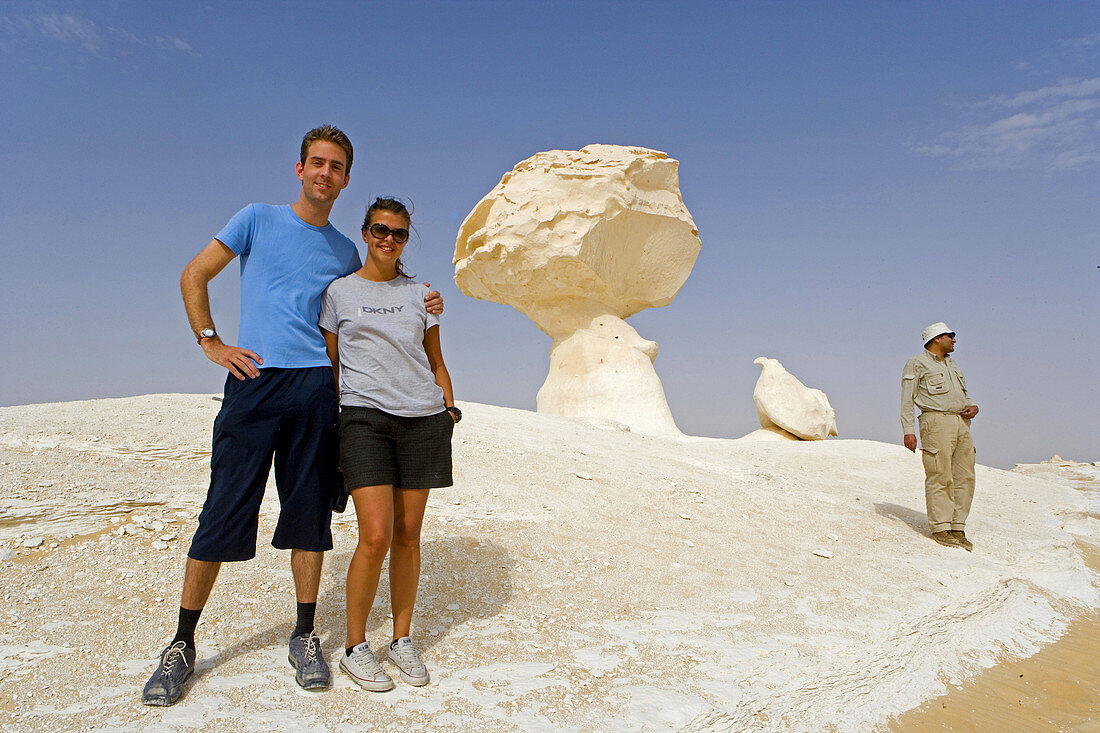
column 286, row 264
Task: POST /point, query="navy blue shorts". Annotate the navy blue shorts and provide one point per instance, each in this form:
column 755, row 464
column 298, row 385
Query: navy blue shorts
column 288, row 415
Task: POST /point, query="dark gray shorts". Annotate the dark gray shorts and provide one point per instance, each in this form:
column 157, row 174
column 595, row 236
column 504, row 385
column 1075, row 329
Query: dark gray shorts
column 377, row 448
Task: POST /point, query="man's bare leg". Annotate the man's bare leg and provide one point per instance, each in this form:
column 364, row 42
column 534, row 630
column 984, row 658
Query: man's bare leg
column 305, row 566
column 198, row 581
column 310, row 668
column 177, row 661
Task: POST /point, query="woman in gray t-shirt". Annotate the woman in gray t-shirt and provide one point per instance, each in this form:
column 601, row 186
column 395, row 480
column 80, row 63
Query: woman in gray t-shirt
column 397, row 414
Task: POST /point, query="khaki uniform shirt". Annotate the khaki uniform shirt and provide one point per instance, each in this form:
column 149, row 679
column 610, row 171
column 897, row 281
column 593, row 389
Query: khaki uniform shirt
column 932, row 384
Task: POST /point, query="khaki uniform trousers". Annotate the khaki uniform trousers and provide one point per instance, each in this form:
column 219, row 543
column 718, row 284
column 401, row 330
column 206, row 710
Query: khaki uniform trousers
column 948, row 455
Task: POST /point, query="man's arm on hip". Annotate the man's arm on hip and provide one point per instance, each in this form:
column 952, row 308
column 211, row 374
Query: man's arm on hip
column 194, row 284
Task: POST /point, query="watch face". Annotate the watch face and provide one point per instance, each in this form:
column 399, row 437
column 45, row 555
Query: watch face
column 207, row 333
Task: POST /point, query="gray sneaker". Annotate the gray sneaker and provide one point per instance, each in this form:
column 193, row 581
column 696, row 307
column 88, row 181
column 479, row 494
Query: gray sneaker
column 308, row 660
column 406, row 656
column 364, row 668
column 177, row 663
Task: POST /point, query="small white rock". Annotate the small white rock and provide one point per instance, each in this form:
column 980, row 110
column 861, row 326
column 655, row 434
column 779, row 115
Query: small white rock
column 823, row 553
column 33, row 542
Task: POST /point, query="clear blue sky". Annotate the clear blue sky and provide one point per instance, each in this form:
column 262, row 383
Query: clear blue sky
column 856, row 171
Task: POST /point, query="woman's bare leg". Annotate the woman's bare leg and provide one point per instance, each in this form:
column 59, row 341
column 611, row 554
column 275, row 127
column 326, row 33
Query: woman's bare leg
column 408, row 516
column 374, row 512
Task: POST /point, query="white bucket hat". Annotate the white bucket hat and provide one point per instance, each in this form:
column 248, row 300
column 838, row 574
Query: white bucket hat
column 936, row 329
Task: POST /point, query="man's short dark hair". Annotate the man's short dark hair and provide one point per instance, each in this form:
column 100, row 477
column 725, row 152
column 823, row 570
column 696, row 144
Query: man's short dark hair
column 330, row 134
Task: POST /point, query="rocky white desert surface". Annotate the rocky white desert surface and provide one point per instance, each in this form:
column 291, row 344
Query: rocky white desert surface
column 577, row 577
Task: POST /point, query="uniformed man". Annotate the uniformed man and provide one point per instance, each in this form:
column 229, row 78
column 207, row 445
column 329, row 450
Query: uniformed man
column 934, row 383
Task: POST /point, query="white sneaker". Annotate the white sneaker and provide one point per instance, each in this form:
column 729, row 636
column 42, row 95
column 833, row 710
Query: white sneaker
column 406, row 656
column 365, row 669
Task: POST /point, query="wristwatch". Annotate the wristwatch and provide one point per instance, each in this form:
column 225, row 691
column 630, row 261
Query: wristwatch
column 207, row 333
column 456, row 412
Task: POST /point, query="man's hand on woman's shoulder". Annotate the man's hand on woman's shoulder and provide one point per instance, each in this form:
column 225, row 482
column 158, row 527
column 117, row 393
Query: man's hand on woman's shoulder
column 433, row 301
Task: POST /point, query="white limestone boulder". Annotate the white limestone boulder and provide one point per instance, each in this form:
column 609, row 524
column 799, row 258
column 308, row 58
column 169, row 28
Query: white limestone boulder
column 784, row 402
column 578, row 240
column 770, row 434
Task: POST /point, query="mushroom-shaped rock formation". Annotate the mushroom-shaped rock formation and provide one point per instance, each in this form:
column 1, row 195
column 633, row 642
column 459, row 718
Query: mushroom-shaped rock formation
column 578, row 240
column 784, row 402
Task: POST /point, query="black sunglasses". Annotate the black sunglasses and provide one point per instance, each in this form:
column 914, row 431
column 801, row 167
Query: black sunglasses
column 381, row 231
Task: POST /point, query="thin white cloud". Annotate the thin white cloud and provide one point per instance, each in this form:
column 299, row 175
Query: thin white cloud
column 124, row 35
column 1055, row 127
column 72, row 30
column 1071, row 88
column 171, row 43
column 1084, row 42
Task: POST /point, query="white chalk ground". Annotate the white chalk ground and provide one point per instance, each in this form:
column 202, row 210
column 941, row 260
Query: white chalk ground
column 576, row 577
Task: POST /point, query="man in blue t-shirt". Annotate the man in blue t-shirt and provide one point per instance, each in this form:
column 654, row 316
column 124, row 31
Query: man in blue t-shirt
column 280, row 402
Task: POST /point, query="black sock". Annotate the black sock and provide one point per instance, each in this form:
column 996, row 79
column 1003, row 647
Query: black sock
column 306, row 612
column 347, row 652
column 185, row 631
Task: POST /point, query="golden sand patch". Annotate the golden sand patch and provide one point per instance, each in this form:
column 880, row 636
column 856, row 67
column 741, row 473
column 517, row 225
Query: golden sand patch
column 1057, row 689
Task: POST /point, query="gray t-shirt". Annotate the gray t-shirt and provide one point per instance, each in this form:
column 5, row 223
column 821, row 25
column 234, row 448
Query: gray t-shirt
column 381, row 326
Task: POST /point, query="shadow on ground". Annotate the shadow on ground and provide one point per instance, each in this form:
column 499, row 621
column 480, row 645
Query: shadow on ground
column 462, row 578
column 917, row 521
